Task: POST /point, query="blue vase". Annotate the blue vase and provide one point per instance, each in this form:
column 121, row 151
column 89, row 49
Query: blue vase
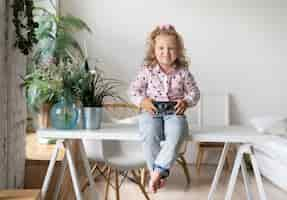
column 64, row 114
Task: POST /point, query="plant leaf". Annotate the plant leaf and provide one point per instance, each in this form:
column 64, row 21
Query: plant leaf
column 73, row 24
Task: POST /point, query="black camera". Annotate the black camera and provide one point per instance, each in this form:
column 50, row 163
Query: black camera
column 165, row 107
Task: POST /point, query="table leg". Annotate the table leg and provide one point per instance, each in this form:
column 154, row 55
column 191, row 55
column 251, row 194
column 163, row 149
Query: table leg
column 73, row 170
column 258, row 178
column 50, row 170
column 246, row 180
column 218, row 171
column 232, row 180
column 61, row 177
column 93, row 193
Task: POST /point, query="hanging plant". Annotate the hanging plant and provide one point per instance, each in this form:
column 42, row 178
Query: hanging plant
column 24, row 25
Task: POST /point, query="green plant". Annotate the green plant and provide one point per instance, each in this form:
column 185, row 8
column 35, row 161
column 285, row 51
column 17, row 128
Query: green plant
column 72, row 74
column 92, row 87
column 47, row 84
column 24, row 25
column 54, row 68
column 55, row 35
column 43, row 85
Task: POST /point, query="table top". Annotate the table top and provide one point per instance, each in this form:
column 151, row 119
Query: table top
column 232, row 134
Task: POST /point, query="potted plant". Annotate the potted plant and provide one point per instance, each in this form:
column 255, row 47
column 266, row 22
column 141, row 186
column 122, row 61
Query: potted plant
column 42, row 90
column 92, row 90
column 56, row 48
column 64, row 114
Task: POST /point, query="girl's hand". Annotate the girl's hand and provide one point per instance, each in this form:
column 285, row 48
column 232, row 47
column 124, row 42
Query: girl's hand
column 180, row 107
column 148, row 106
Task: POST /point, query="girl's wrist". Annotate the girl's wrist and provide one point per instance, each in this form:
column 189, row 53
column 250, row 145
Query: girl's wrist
column 185, row 102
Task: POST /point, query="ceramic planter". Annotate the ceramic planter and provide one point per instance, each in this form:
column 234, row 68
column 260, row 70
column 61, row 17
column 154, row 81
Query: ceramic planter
column 92, row 117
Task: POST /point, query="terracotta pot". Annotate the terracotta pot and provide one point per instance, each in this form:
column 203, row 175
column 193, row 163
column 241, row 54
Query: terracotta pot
column 44, row 116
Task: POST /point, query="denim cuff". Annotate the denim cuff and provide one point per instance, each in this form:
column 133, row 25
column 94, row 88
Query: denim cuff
column 164, row 172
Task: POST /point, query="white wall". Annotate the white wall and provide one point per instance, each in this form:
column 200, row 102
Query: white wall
column 236, row 46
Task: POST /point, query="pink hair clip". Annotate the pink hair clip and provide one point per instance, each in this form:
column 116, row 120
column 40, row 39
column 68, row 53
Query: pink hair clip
column 165, row 26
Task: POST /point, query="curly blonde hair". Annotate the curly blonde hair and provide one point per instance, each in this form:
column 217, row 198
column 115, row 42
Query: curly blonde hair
column 150, row 58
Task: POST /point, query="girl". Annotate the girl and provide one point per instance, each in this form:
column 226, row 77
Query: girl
column 163, row 89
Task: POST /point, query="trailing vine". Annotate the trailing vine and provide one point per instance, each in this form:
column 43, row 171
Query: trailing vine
column 24, row 25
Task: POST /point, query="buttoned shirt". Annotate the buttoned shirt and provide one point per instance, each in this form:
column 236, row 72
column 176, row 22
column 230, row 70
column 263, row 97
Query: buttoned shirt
column 154, row 83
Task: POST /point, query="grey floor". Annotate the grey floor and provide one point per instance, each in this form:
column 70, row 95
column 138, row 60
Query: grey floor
column 176, row 188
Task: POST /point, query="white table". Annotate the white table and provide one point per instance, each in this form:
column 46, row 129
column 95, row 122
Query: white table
column 244, row 136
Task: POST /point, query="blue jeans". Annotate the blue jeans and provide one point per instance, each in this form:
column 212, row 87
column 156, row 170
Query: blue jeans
column 162, row 136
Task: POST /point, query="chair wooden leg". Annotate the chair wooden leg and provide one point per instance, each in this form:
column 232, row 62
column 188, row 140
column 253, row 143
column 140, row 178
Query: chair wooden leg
column 86, row 181
column 93, row 171
column 199, row 159
column 181, row 160
column 103, row 169
column 117, row 184
column 141, row 186
column 108, row 183
column 143, row 176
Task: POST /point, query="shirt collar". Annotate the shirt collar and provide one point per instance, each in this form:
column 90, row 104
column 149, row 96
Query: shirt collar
column 159, row 70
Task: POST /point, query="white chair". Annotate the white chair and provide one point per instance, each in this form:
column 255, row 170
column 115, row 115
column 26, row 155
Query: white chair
column 120, row 157
column 212, row 111
column 132, row 119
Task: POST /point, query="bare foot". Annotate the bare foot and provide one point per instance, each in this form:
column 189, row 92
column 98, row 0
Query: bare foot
column 154, row 182
column 162, row 183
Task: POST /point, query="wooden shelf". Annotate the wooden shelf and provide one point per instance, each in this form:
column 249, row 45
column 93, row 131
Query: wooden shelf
column 39, row 152
column 36, row 165
column 37, row 160
column 20, row 194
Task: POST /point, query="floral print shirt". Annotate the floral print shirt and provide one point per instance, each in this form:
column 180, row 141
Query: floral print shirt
column 154, row 83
